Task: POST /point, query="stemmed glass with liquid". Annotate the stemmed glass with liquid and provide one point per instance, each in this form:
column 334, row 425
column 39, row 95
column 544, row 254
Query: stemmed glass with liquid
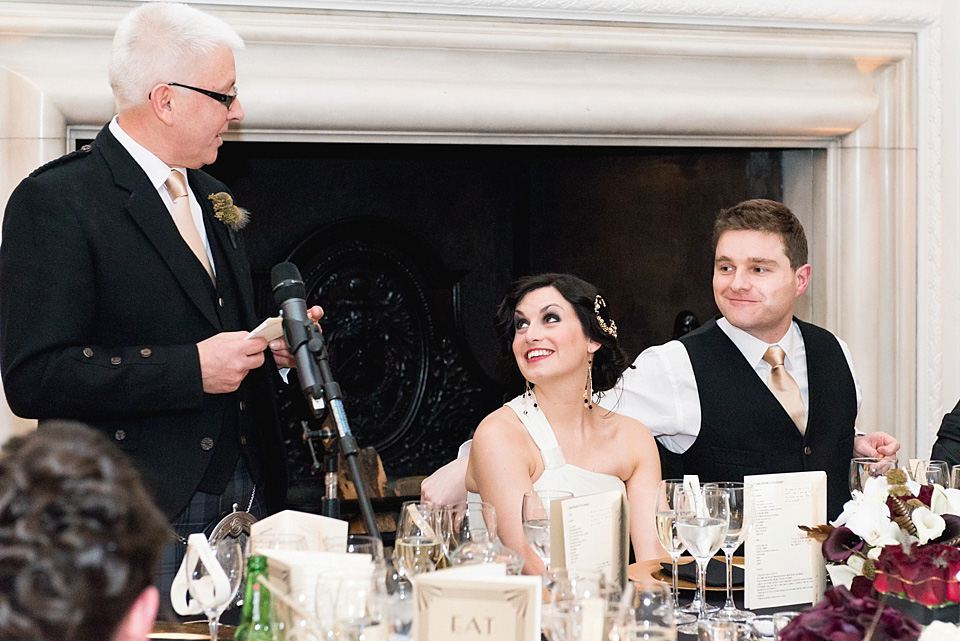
column 702, row 533
column 418, row 546
column 536, row 520
column 667, row 515
column 740, row 519
column 213, row 576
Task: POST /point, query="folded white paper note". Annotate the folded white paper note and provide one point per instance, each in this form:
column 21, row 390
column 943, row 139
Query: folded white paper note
column 783, row 566
column 269, row 329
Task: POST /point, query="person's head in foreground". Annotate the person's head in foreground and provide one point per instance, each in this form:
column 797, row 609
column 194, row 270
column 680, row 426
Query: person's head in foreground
column 760, row 267
column 545, row 301
column 80, row 539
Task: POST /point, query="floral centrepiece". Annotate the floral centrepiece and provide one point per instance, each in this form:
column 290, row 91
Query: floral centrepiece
column 840, row 616
column 228, row 213
column 898, row 537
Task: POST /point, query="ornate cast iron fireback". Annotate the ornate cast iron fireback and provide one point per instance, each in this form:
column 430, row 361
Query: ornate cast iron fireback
column 390, row 311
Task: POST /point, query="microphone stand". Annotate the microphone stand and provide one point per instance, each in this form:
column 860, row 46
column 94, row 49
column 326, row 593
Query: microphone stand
column 327, row 389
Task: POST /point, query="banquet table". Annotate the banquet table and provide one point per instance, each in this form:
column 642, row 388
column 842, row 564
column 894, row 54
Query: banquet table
column 171, row 631
column 650, row 570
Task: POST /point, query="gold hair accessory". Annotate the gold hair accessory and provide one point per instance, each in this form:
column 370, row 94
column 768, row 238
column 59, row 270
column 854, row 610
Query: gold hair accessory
column 610, row 328
column 227, row 213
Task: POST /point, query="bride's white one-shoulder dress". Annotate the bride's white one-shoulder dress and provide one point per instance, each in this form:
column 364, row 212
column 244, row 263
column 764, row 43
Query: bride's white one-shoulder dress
column 557, row 473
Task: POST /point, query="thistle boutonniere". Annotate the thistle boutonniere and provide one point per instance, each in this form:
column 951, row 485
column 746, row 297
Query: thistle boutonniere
column 227, row 213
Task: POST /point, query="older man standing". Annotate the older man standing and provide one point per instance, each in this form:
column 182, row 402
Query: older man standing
column 125, row 293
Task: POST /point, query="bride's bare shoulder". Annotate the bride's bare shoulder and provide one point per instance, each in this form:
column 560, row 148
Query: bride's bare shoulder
column 500, row 423
column 627, row 426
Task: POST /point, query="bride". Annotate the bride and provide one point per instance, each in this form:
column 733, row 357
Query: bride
column 557, row 328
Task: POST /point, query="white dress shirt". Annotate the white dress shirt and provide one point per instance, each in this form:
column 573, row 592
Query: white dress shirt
column 157, row 172
column 661, row 392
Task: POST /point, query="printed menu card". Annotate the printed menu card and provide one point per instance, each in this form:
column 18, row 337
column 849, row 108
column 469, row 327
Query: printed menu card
column 591, row 532
column 783, row 566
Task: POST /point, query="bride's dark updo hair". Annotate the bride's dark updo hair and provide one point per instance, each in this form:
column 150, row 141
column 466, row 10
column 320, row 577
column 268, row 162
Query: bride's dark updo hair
column 609, row 361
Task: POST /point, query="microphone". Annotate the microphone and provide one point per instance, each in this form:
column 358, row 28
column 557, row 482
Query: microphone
column 313, row 368
column 302, row 337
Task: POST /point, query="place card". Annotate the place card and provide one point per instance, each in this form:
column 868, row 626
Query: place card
column 591, row 532
column 316, row 529
column 298, row 571
column 476, row 602
column 783, row 566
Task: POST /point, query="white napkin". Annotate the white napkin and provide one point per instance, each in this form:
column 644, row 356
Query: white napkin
column 215, row 583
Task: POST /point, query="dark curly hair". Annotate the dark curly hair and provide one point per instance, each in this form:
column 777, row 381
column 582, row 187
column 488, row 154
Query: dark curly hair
column 609, row 361
column 80, row 538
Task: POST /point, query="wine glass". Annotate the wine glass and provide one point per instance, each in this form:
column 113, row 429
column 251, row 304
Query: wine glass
column 279, row 541
column 358, row 544
column 667, row 515
column 740, row 518
column 570, row 592
column 645, row 615
column 703, row 533
column 474, row 526
column 358, row 607
column 955, row 477
column 536, row 520
column 213, row 575
column 864, row 468
column 418, row 546
column 937, row 472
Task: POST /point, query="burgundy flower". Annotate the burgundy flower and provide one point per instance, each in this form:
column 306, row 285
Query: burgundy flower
column 951, row 530
column 841, row 616
column 840, row 544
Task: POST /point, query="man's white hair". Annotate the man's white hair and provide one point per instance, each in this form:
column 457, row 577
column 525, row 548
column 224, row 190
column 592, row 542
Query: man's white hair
column 162, row 42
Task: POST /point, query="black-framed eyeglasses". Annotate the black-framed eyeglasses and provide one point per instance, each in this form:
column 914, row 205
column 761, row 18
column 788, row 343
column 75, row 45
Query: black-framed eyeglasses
column 225, row 99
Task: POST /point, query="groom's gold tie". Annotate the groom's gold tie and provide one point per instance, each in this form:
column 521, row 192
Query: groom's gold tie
column 177, row 186
column 785, row 388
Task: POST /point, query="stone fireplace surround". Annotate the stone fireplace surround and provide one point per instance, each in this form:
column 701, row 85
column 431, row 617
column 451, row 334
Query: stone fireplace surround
column 851, row 90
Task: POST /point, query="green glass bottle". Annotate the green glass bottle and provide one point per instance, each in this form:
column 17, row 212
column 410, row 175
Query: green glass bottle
column 255, row 623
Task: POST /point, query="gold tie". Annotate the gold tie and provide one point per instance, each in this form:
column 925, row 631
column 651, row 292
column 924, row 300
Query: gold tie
column 785, row 388
column 177, row 186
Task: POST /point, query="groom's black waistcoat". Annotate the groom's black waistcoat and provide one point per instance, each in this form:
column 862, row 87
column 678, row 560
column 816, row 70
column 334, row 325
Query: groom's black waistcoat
column 744, row 429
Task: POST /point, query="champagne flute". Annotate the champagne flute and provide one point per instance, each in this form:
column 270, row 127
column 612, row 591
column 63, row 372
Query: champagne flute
column 740, row 517
column 667, row 515
column 703, row 533
column 418, row 546
column 213, row 576
column 535, row 517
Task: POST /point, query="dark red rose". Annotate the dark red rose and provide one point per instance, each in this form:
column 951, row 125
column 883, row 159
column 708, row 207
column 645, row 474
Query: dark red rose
column 860, row 587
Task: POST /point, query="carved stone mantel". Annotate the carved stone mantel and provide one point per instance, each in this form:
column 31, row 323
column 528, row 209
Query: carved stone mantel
column 851, row 87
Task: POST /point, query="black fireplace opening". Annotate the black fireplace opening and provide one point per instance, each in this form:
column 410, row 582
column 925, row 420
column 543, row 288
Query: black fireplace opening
column 410, row 247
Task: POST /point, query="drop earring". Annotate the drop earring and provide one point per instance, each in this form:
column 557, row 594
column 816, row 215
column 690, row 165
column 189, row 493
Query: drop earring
column 588, row 388
column 528, row 393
